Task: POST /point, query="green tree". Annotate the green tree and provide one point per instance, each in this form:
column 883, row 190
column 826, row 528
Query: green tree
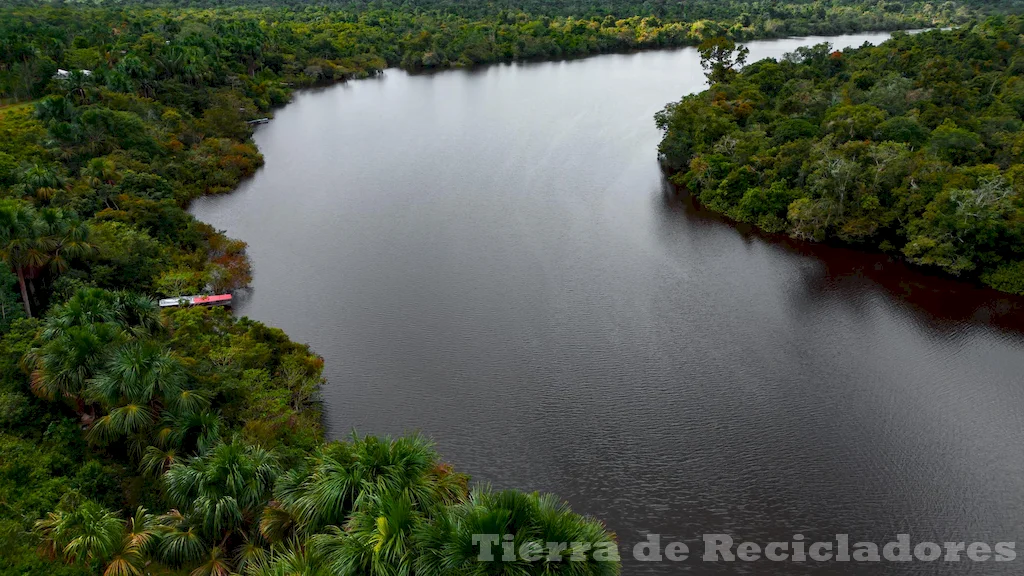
column 19, row 243
column 10, row 306
column 955, row 144
column 140, row 380
column 220, row 494
column 84, row 533
column 78, row 337
column 341, row 477
column 451, row 544
column 902, row 129
column 853, row 121
column 721, row 59
column 962, row 226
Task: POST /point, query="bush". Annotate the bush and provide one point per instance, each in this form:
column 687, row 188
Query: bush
column 793, row 129
column 1008, row 278
column 13, row 408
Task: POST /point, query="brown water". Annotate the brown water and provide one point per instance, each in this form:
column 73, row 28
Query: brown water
column 493, row 258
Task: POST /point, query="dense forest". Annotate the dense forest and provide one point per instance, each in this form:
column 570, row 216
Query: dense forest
column 912, row 147
column 134, row 440
column 803, row 12
column 137, row 50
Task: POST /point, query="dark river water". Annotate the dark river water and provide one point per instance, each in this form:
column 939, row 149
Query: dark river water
column 492, row 257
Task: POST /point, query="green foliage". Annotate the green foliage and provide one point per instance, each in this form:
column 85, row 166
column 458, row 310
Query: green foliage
column 218, row 490
column 721, row 58
column 82, row 533
column 172, row 53
column 34, row 242
column 1008, row 278
column 774, row 201
column 106, row 404
column 954, row 144
column 911, row 146
column 147, row 186
column 531, row 520
column 902, row 129
column 789, row 129
column 127, row 257
column 10, row 301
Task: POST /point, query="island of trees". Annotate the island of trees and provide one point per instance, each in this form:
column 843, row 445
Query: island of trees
column 135, row 441
column 912, row 147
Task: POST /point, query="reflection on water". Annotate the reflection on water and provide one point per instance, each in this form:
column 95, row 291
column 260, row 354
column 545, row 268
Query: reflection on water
column 847, row 276
column 491, row 257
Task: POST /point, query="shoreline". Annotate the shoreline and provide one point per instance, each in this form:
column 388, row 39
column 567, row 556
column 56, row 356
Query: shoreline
column 804, row 246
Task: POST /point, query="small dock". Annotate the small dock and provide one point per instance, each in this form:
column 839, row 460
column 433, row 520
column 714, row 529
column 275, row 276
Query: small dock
column 200, row 300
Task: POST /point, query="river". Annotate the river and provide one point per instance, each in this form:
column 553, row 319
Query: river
column 492, row 257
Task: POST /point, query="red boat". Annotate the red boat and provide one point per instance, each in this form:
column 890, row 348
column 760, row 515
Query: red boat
column 201, row 300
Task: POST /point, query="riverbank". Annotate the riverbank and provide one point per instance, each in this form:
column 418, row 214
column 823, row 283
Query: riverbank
column 907, row 161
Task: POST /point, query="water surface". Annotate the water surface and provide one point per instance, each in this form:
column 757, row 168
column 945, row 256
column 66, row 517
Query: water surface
column 493, row 258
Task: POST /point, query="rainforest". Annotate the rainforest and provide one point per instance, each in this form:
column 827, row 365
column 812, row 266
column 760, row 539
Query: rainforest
column 135, row 440
column 912, row 147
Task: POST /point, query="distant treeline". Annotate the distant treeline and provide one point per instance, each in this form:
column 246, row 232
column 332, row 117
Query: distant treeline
column 913, row 147
column 303, row 44
column 793, row 11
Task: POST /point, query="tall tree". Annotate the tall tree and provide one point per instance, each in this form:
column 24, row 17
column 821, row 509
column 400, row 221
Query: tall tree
column 84, row 533
column 721, row 59
column 220, row 494
column 19, row 243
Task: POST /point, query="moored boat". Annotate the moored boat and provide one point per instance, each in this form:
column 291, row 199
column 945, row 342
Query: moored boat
column 200, row 300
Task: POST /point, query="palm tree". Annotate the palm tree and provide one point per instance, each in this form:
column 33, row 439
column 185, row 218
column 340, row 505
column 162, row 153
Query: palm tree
column 55, row 108
column 139, row 541
column 339, row 478
column 362, row 503
column 140, row 372
column 64, row 238
column 141, row 531
column 180, row 541
column 294, row 559
column 138, row 381
column 136, row 313
column 100, row 171
column 133, row 67
column 19, row 247
column 43, row 181
column 221, row 492
column 196, row 432
column 89, row 338
column 408, row 464
column 449, row 543
column 31, row 239
column 75, row 83
column 251, row 554
column 86, row 534
column 79, row 335
column 215, row 563
column 90, row 307
column 320, row 494
column 377, row 541
column 169, row 62
column 65, row 364
column 155, row 461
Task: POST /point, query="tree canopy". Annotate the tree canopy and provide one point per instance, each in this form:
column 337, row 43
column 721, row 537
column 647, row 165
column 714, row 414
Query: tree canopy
column 912, row 147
